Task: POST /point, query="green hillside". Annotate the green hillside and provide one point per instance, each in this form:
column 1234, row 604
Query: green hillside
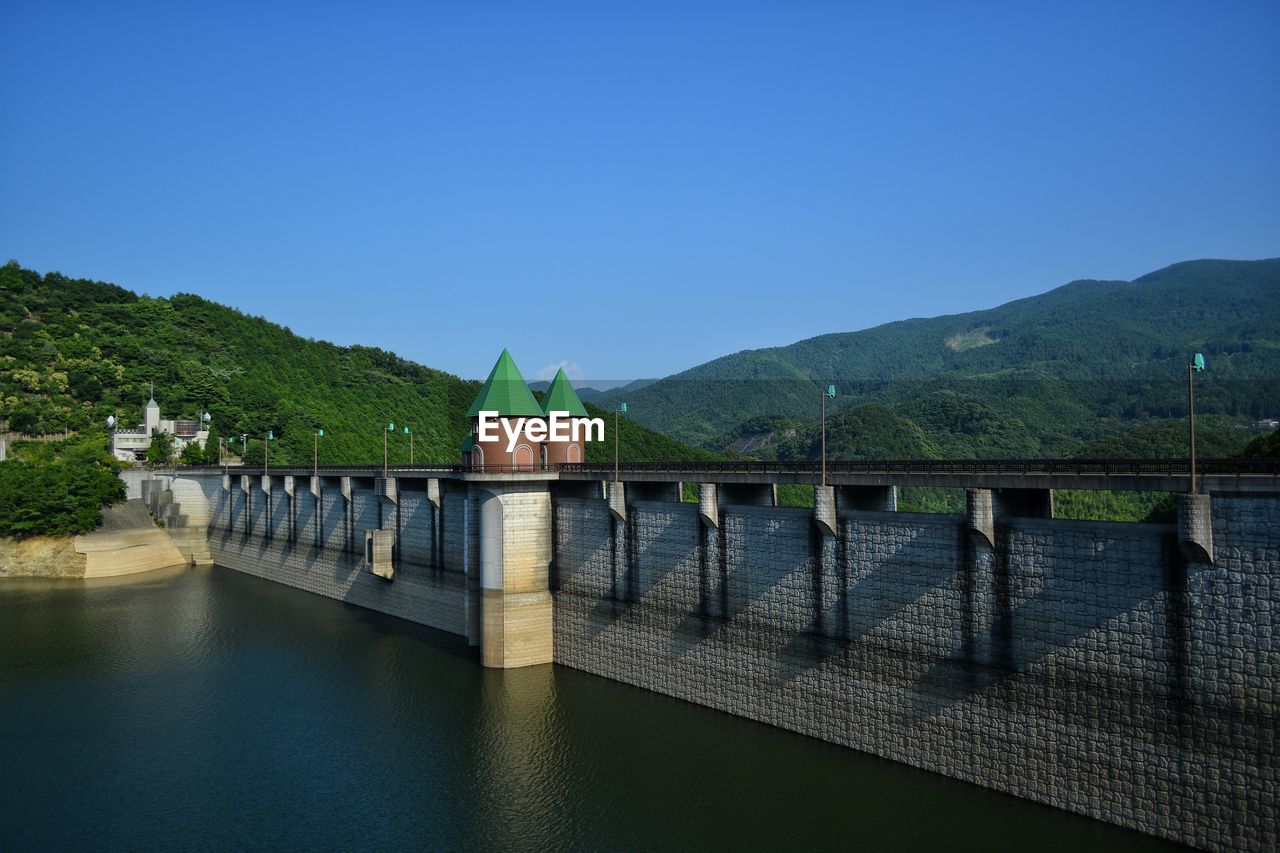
column 1040, row 376
column 58, row 487
column 74, row 351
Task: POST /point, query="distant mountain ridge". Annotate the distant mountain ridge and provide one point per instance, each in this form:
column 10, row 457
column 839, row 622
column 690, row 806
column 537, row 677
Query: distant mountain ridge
column 1081, row 334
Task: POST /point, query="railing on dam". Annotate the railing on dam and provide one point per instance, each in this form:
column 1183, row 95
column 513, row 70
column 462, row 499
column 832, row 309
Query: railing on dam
column 1112, row 467
column 1171, row 475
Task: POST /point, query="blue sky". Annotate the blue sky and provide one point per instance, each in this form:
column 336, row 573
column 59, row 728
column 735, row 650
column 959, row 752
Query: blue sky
column 631, row 188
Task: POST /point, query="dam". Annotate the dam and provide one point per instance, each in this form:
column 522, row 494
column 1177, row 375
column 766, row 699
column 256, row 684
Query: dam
column 1121, row 671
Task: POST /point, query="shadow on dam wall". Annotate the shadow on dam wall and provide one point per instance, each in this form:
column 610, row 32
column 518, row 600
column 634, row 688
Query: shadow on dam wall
column 1086, row 665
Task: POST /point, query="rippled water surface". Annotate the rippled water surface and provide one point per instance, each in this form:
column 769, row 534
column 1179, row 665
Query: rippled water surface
column 204, row 709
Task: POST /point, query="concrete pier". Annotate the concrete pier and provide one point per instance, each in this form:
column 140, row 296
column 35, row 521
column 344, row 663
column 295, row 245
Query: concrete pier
column 515, row 554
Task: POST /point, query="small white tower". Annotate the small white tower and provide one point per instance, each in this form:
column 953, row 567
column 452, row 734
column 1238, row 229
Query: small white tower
column 151, row 415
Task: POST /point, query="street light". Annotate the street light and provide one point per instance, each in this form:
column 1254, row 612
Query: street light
column 266, row 452
column 391, row 427
column 621, row 407
column 830, row 392
column 409, row 433
column 315, row 452
column 1196, row 365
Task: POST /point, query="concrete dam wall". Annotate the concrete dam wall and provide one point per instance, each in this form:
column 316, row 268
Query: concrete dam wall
column 1123, row 671
column 250, row 531
column 1084, row 665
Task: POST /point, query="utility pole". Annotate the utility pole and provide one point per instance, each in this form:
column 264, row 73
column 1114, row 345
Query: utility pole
column 830, row 392
column 1196, row 364
column 621, row 407
column 391, row 427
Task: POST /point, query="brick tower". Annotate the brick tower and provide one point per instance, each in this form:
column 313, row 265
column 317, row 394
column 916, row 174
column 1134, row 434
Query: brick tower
column 561, row 397
column 506, row 393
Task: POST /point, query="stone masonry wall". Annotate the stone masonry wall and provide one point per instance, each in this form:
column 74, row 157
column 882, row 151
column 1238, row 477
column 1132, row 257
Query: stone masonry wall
column 1084, row 665
column 421, row 591
column 417, row 535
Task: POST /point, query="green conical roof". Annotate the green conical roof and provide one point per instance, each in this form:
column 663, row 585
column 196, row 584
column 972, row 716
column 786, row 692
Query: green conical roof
column 505, row 392
column 561, row 397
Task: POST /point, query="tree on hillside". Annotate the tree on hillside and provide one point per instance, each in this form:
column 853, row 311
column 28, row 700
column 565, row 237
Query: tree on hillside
column 192, row 454
column 1263, row 447
column 161, row 450
column 54, row 488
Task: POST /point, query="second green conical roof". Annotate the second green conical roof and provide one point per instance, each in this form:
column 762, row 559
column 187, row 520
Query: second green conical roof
column 561, row 397
column 505, row 392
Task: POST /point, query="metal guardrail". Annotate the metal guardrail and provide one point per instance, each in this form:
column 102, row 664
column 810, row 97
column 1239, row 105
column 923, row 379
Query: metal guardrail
column 1092, row 467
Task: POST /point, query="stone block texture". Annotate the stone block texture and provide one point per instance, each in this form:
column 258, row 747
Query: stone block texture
column 365, row 514
column 434, row 598
column 1085, row 665
column 417, row 522
column 1079, row 664
column 306, row 518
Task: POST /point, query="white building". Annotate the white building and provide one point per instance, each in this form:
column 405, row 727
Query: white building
column 129, row 445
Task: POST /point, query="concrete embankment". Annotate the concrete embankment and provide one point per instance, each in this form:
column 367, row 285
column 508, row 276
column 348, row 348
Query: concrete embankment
column 127, row 542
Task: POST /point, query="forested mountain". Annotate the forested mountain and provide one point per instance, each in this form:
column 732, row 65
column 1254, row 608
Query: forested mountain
column 74, row 351
column 1042, row 376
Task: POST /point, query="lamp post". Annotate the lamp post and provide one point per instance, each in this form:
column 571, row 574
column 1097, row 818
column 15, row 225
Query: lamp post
column 830, row 392
column 1194, row 367
column 409, row 433
column 315, row 452
column 621, row 407
column 391, row 427
column 266, row 453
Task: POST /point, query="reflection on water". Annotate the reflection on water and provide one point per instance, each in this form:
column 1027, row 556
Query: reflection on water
column 203, row 708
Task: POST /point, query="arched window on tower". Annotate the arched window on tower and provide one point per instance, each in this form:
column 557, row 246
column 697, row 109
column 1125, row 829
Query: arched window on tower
column 523, row 458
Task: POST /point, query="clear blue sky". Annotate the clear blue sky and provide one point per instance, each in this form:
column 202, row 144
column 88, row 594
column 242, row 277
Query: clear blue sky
column 631, row 190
